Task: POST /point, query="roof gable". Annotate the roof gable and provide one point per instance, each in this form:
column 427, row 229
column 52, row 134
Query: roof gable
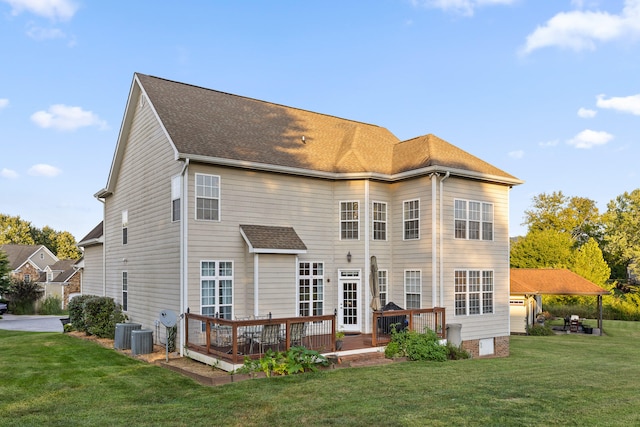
column 19, row 255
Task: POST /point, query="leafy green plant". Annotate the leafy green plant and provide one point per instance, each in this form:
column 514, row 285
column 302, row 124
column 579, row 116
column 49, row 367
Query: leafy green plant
column 76, row 312
column 540, row 330
column 23, row 295
column 296, row 360
column 171, row 338
column 456, row 353
column 416, row 346
column 51, row 305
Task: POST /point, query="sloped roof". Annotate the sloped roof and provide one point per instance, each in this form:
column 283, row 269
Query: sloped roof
column 551, row 281
column 66, row 266
column 269, row 239
column 93, row 237
column 213, row 126
column 19, row 254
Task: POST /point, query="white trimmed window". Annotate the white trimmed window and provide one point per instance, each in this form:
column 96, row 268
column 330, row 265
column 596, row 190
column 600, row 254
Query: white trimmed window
column 349, row 220
column 216, row 288
column 383, row 288
column 207, row 197
column 125, row 227
column 125, row 290
column 411, row 217
column 379, row 221
column 412, row 289
column 310, row 288
column 176, row 195
column 473, row 220
column 473, row 292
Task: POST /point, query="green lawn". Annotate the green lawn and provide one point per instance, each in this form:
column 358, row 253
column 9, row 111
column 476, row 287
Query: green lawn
column 55, row 379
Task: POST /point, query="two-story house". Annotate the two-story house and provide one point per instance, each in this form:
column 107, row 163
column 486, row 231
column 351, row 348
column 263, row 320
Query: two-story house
column 224, row 205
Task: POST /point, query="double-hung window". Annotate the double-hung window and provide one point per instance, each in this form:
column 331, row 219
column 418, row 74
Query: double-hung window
column 383, row 288
column 411, row 217
column 125, row 290
column 473, row 220
column 473, row 292
column 207, row 197
column 176, row 193
column 412, row 289
column 310, row 288
column 379, row 221
column 125, row 227
column 216, row 288
column 349, row 220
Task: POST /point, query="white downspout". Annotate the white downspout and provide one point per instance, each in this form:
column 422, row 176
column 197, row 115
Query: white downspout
column 442, row 241
column 434, row 248
column 184, row 240
column 104, row 246
column 256, row 284
column 367, row 249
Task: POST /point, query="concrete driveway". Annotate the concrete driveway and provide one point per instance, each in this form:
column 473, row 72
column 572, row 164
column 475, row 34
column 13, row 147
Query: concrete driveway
column 31, row 323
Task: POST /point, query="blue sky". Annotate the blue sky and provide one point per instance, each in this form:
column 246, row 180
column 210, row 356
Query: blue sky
column 548, row 90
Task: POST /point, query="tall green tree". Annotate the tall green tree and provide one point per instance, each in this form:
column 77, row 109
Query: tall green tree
column 5, row 270
column 66, row 246
column 589, row 263
column 622, row 234
column 543, row 248
column 577, row 216
column 14, row 230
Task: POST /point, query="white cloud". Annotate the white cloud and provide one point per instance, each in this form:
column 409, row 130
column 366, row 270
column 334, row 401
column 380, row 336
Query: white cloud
column 551, row 143
column 4, row 102
column 463, row 7
column 582, row 30
column 44, row 170
column 589, row 138
column 39, row 33
column 8, row 173
column 586, row 113
column 53, row 9
column 627, row 104
column 63, row 117
column 517, row 154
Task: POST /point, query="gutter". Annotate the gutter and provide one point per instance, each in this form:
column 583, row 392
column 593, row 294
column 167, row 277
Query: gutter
column 183, row 248
column 442, row 241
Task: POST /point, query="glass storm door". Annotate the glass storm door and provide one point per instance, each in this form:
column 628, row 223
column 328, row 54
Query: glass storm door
column 349, row 303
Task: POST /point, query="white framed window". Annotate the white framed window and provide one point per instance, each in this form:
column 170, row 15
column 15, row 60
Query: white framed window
column 125, row 227
column 349, row 220
column 310, row 288
column 125, row 290
column 383, row 286
column 411, row 216
column 412, row 289
column 27, row 278
column 207, row 197
column 176, row 196
column 379, row 221
column 473, row 292
column 473, row 220
column 216, row 288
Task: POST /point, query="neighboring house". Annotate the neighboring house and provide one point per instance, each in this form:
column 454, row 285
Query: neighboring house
column 62, row 279
column 224, row 205
column 529, row 284
column 92, row 263
column 28, row 262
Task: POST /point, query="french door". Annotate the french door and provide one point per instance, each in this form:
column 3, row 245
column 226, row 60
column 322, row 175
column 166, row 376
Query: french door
column 349, row 300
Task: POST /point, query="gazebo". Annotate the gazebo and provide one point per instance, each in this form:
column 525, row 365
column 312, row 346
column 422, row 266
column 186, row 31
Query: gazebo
column 529, row 284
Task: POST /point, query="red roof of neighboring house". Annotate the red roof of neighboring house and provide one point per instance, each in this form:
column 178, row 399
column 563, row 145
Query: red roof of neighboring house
column 551, row 281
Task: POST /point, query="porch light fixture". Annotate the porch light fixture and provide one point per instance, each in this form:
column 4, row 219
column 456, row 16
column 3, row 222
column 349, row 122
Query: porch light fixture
column 349, row 256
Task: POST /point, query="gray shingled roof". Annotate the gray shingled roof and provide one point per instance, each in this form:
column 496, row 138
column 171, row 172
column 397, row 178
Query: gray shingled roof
column 93, row 236
column 213, row 125
column 262, row 238
column 19, row 254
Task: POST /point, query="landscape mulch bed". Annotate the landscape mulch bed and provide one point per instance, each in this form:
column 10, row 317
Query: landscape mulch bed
column 209, row 375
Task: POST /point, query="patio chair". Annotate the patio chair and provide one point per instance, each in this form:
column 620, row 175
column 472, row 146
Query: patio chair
column 269, row 336
column 298, row 333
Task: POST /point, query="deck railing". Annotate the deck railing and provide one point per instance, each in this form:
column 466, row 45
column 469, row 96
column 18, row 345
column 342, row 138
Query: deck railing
column 233, row 340
column 414, row 320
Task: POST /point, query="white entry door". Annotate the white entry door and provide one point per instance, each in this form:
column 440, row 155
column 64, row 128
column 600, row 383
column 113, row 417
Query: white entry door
column 349, row 301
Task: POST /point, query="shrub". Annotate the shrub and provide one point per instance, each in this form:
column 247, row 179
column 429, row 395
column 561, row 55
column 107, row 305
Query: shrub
column 76, row 312
column 295, row 360
column 416, row 346
column 23, row 296
column 456, row 353
column 540, row 330
column 172, row 332
column 51, row 305
column 101, row 315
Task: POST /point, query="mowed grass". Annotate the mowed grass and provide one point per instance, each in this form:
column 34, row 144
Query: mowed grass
column 564, row 380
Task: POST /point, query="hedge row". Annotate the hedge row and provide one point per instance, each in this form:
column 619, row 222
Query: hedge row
column 95, row 315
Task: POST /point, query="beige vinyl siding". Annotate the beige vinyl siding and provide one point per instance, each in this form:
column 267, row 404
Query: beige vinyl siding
column 92, row 273
column 260, row 198
column 151, row 257
column 382, row 250
column 478, row 255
